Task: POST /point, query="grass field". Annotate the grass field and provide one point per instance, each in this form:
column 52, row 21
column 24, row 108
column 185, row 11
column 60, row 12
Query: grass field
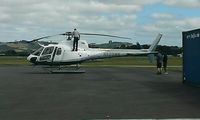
column 133, row 60
column 174, row 63
column 13, row 60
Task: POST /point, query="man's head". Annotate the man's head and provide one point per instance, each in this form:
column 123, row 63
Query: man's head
column 74, row 28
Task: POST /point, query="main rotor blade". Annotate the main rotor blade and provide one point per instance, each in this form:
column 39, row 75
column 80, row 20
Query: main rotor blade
column 70, row 33
column 37, row 39
column 66, row 33
column 95, row 34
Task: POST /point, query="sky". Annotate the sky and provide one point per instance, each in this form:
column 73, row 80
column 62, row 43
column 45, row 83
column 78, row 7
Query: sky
column 140, row 20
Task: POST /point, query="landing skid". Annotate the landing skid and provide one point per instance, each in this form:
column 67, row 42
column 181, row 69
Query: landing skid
column 64, row 69
column 67, row 71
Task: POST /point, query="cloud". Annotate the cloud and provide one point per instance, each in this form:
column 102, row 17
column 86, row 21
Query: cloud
column 27, row 19
column 162, row 16
column 170, row 25
column 49, row 12
column 172, row 31
column 173, row 25
column 36, row 17
column 129, row 2
column 183, row 3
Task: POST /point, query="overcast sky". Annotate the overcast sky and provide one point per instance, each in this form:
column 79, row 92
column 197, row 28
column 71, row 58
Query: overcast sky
column 141, row 20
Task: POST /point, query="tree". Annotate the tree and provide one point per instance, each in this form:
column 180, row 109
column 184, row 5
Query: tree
column 10, row 52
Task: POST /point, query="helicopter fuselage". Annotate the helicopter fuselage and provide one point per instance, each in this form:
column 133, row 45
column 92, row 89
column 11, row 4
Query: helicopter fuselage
column 62, row 54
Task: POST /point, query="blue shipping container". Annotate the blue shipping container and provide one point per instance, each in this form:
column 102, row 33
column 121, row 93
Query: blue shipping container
column 191, row 57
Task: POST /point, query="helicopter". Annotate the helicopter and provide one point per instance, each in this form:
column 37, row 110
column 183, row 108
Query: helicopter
column 56, row 56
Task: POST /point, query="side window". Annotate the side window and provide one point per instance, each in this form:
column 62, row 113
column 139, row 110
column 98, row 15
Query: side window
column 48, row 50
column 59, row 51
column 37, row 52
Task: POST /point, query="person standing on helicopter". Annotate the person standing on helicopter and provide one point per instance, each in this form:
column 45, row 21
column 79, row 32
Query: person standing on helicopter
column 76, row 36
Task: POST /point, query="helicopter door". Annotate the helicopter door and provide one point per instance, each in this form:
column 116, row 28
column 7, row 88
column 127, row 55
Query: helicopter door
column 58, row 55
column 47, row 54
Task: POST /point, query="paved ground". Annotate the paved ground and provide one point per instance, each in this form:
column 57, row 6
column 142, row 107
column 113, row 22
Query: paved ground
column 28, row 93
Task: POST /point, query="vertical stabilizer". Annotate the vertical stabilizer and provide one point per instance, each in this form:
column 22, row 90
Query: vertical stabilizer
column 155, row 43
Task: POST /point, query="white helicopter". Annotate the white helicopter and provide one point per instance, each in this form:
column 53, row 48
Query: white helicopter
column 57, row 55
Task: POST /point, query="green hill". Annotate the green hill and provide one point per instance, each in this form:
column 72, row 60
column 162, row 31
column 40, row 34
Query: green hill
column 4, row 47
column 18, row 47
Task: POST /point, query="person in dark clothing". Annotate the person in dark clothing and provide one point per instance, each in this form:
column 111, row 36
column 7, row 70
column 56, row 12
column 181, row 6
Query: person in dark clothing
column 159, row 59
column 76, row 36
column 165, row 58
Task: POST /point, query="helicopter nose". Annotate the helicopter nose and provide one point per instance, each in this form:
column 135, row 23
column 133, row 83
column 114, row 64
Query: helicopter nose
column 32, row 58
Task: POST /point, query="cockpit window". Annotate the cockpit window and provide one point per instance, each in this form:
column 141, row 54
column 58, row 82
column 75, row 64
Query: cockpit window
column 58, row 51
column 48, row 50
column 38, row 52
